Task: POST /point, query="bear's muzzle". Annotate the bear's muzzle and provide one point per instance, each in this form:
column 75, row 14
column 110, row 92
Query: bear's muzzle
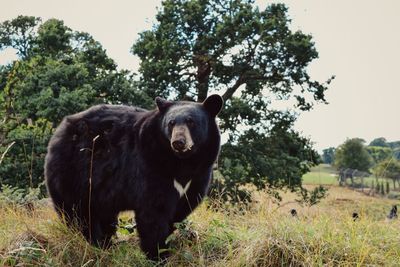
column 181, row 140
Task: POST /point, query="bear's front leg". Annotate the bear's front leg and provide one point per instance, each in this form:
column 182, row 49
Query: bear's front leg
column 188, row 202
column 153, row 227
column 153, row 231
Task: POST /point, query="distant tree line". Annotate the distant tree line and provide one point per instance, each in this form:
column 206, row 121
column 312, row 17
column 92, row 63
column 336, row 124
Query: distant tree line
column 379, row 157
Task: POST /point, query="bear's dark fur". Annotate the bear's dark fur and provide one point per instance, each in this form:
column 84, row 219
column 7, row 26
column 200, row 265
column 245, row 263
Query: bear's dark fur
column 113, row 158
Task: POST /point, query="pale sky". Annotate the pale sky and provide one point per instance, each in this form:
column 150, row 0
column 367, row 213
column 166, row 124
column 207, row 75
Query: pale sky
column 358, row 41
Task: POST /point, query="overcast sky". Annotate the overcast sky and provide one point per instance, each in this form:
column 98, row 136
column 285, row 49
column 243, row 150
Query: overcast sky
column 358, row 41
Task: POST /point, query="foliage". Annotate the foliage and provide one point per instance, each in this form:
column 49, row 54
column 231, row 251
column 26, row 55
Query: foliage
column 380, row 141
column 22, row 165
column 66, row 72
column 328, row 155
column 59, row 72
column 353, row 154
column 314, row 196
column 19, row 34
column 394, row 144
column 14, row 196
column 379, row 153
column 252, row 58
column 273, row 161
column 389, row 168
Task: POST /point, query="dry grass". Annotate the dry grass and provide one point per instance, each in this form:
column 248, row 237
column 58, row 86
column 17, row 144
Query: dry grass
column 261, row 235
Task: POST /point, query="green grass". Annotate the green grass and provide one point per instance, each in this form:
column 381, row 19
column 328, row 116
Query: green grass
column 322, row 174
column 325, row 174
column 263, row 234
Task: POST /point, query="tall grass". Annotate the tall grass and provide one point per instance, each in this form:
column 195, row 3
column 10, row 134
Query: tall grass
column 262, row 234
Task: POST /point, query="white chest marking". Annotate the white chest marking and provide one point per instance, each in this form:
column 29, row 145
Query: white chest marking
column 180, row 189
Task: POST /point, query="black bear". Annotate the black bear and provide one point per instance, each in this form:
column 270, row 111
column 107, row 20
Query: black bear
column 112, row 158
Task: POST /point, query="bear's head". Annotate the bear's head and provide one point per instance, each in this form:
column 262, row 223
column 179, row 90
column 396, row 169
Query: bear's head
column 186, row 124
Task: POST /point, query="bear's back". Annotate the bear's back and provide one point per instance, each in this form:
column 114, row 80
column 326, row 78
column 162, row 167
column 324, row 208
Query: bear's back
column 102, row 134
column 107, row 122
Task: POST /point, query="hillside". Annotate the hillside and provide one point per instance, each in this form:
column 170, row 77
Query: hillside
column 263, row 234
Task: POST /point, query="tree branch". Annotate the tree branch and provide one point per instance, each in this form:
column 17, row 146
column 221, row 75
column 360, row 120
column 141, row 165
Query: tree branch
column 230, row 91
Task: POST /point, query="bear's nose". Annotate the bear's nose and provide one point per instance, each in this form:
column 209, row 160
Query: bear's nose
column 179, row 144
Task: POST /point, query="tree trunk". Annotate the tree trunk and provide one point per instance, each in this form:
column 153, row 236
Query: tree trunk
column 203, row 64
column 202, row 90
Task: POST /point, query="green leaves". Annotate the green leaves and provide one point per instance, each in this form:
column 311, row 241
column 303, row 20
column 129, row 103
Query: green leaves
column 22, row 166
column 18, row 34
column 53, row 37
column 272, row 161
column 59, row 72
column 353, row 154
column 198, row 46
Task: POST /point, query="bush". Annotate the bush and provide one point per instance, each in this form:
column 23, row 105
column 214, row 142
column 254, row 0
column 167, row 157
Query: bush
column 13, row 196
column 22, row 164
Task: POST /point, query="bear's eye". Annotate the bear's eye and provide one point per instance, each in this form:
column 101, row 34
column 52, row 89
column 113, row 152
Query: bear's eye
column 190, row 122
column 171, row 124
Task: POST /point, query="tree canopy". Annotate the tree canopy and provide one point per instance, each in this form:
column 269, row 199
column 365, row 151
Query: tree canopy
column 389, row 168
column 19, row 34
column 328, row 155
column 380, row 141
column 353, row 154
column 379, row 153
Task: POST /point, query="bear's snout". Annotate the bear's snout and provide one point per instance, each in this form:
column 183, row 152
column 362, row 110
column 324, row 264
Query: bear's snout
column 179, row 144
column 181, row 140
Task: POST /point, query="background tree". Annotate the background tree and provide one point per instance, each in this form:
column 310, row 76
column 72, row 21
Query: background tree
column 353, row 154
column 328, row 155
column 258, row 159
column 395, row 146
column 380, row 141
column 252, row 58
column 19, row 34
column 379, row 153
column 58, row 72
column 389, row 168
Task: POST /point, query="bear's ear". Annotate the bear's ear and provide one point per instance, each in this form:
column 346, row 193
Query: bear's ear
column 163, row 104
column 213, row 104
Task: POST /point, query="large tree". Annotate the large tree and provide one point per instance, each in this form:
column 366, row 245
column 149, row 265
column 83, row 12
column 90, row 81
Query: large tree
column 249, row 56
column 380, row 141
column 354, row 155
column 328, row 155
column 389, row 168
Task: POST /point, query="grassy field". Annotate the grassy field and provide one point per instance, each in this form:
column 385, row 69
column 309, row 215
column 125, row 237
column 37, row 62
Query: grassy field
column 322, row 174
column 263, row 234
column 325, row 174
